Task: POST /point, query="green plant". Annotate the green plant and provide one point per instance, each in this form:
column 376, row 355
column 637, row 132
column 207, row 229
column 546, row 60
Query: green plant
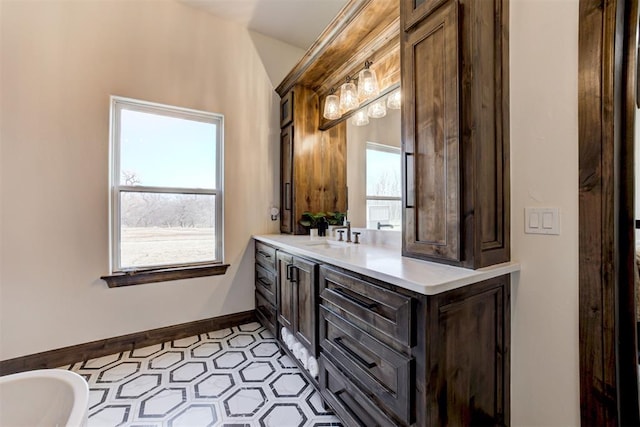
column 310, row 220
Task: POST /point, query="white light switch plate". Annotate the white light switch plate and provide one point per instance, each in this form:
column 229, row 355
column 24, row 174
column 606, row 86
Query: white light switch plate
column 542, row 221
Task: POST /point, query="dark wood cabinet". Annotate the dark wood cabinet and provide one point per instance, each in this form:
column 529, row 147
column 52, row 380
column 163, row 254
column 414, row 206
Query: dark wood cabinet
column 265, row 285
column 414, row 10
column 431, row 146
column 297, row 291
column 469, row 335
column 449, row 366
column 286, row 180
column 313, row 166
column 455, row 131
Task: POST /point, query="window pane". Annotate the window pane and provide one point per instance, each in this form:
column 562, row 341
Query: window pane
column 385, row 212
column 383, row 173
column 163, row 229
column 163, row 151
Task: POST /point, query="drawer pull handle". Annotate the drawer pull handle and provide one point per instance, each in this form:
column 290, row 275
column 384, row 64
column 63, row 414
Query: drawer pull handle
column 264, row 254
column 353, row 354
column 367, row 305
column 264, row 282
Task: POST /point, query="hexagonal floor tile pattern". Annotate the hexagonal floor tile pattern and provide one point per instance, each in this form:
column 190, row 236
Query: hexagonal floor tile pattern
column 232, row 377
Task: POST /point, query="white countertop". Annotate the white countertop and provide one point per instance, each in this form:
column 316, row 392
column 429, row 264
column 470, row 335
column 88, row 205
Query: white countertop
column 386, row 263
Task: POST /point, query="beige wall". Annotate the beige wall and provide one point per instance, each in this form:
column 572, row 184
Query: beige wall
column 544, row 172
column 60, row 62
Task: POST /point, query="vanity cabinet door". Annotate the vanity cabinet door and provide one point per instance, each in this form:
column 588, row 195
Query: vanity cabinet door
column 431, row 163
column 414, row 10
column 305, row 278
column 286, row 180
column 297, row 295
column 285, row 290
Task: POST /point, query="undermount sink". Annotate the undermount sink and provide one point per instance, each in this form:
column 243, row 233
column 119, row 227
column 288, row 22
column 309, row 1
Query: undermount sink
column 328, row 244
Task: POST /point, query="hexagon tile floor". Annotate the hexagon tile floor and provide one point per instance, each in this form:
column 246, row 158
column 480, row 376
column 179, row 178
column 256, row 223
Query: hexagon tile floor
column 234, row 377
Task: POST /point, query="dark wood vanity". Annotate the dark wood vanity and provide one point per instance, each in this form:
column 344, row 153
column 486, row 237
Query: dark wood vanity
column 388, row 355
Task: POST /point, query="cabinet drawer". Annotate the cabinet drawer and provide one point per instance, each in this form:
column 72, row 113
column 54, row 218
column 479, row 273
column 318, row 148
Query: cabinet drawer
column 380, row 312
column 345, row 398
column 382, row 371
column 266, row 283
column 266, row 313
column 266, row 256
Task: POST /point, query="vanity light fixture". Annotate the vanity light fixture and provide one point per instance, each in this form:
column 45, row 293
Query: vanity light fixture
column 367, row 83
column 393, row 101
column 360, row 118
column 331, row 107
column 348, row 96
column 377, row 110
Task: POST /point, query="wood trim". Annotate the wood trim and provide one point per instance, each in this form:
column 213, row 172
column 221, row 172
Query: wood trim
column 608, row 358
column 339, row 23
column 99, row 348
column 143, row 277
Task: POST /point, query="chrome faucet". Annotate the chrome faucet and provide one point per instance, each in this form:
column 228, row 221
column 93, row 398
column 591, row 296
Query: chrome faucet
column 380, row 225
column 348, row 228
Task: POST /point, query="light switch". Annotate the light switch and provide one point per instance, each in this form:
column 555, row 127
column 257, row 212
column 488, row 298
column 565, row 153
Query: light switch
column 542, row 221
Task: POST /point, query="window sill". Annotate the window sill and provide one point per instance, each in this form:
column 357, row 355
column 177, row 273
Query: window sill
column 143, row 277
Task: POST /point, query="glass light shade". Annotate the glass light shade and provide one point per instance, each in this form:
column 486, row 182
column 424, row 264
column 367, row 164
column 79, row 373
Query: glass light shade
column 332, row 107
column 377, row 109
column 360, row 118
column 393, row 101
column 367, row 85
column 348, row 97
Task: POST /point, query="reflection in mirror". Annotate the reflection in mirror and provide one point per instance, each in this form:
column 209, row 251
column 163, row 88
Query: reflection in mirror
column 373, row 173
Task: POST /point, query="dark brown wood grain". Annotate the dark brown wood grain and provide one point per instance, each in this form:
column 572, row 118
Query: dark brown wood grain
column 430, row 70
column 287, row 188
column 597, row 217
column 470, row 341
column 456, row 133
column 414, row 11
column 627, row 299
column 485, row 133
column 297, row 296
column 358, row 24
column 142, row 277
column 81, row 352
column 606, row 105
column 313, row 164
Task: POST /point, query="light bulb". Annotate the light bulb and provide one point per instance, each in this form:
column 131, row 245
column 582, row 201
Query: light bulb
column 377, row 109
column 360, row 118
column 367, row 85
column 348, row 96
column 332, row 107
column 393, row 101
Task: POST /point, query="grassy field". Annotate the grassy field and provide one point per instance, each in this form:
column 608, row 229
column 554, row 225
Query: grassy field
column 145, row 246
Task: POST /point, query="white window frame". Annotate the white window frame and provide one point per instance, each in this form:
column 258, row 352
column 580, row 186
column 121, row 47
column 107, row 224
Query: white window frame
column 117, row 105
column 386, row 149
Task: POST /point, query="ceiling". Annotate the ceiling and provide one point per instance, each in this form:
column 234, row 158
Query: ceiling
column 296, row 22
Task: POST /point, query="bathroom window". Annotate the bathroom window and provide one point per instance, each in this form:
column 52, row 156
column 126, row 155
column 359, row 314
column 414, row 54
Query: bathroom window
column 166, row 187
column 384, row 196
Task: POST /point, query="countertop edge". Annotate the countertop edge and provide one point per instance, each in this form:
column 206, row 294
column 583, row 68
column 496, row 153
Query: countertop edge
column 467, row 277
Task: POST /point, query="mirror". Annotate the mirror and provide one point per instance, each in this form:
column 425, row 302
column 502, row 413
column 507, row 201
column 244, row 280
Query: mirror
column 374, row 173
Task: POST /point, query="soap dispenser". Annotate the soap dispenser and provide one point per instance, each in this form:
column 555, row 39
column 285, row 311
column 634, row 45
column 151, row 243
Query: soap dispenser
column 322, row 227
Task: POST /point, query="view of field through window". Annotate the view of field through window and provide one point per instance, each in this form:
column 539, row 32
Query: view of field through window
column 161, row 229
column 167, row 190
